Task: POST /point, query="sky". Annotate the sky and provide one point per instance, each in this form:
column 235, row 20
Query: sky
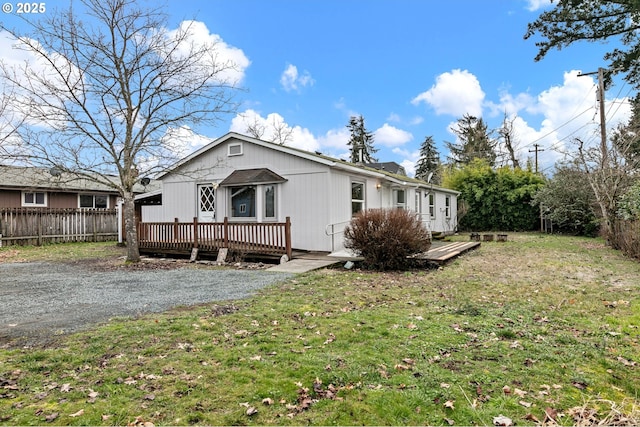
column 411, row 68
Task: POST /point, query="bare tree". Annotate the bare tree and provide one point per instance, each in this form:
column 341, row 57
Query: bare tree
column 282, row 133
column 276, row 131
column 257, row 128
column 507, row 133
column 610, row 169
column 10, row 145
column 106, row 86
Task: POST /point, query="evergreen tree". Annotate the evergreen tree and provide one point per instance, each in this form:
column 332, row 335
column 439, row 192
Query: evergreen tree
column 474, row 142
column 361, row 141
column 429, row 162
column 571, row 21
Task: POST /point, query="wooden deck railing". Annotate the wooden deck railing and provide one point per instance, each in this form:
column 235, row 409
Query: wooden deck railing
column 246, row 237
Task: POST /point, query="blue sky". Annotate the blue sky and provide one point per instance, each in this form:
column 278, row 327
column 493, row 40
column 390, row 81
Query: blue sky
column 410, row 67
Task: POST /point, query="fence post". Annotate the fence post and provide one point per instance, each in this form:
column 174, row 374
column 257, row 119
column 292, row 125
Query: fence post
column 95, row 226
column 225, row 231
column 287, row 236
column 39, row 219
column 195, row 232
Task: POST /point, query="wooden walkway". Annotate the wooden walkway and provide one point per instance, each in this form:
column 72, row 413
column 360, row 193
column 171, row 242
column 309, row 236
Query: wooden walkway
column 442, row 254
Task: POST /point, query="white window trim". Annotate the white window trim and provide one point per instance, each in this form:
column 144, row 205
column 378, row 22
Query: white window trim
column 432, row 206
column 235, row 144
column 396, row 203
column 447, row 207
column 34, row 205
column 263, row 191
column 363, row 201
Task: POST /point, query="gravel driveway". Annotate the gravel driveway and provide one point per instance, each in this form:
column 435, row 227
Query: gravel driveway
column 40, row 301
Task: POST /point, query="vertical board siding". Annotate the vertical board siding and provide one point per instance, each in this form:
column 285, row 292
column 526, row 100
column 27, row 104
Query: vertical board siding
column 37, row 226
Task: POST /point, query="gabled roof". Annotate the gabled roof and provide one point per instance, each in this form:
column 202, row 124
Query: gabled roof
column 35, row 178
column 252, row 176
column 393, row 178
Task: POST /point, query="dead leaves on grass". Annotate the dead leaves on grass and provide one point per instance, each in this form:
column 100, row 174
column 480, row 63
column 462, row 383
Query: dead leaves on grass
column 305, row 399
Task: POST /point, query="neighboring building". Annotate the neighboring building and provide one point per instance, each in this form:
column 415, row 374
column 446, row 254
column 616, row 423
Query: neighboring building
column 391, row 167
column 249, row 180
column 30, row 187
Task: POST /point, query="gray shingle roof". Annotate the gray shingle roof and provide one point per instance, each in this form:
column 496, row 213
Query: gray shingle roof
column 252, row 176
column 33, row 178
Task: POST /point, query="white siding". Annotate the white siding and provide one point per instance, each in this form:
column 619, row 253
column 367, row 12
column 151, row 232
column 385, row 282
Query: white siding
column 315, row 195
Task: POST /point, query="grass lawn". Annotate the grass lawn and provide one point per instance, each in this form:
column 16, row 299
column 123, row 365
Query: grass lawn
column 540, row 329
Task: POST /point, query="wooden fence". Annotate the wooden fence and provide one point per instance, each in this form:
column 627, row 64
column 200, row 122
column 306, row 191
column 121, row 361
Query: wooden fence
column 244, row 237
column 36, row 226
column 625, row 235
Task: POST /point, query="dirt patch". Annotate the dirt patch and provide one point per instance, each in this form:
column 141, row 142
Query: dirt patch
column 149, row 263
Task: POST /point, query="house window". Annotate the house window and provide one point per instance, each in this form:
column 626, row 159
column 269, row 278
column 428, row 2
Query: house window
column 447, row 207
column 357, row 197
column 418, row 202
column 243, row 201
column 270, row 201
column 235, row 149
column 399, row 199
column 432, row 205
column 33, row 199
column 98, row 201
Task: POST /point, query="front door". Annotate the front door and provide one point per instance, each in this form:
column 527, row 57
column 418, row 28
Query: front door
column 206, row 203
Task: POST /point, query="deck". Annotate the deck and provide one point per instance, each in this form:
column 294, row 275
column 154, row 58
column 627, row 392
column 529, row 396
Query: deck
column 443, row 253
column 267, row 239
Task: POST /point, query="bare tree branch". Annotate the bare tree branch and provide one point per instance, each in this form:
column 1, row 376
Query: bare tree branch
column 105, row 87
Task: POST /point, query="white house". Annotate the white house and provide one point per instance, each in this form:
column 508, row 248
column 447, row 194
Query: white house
column 249, row 180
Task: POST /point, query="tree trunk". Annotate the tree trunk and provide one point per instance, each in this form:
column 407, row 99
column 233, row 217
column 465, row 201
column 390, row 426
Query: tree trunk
column 131, row 229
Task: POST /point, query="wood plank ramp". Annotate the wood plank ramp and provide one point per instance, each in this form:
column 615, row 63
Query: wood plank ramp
column 443, row 253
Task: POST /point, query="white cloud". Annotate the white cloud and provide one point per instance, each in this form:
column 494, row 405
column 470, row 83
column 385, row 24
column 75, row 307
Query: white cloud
column 230, row 61
column 391, row 136
column 273, row 127
column 533, row 5
column 182, row 141
column 292, row 81
column 455, row 93
column 558, row 115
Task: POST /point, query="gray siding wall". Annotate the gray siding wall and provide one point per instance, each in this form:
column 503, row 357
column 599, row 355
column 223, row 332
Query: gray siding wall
column 304, row 197
column 316, row 197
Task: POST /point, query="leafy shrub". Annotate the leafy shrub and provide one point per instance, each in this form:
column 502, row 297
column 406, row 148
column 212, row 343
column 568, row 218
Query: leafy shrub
column 568, row 200
column 386, row 237
column 496, row 199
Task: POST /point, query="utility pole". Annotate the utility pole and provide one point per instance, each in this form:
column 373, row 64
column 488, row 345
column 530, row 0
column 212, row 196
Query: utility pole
column 536, row 148
column 603, row 127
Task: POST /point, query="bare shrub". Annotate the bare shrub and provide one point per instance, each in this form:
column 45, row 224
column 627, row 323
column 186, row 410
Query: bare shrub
column 386, row 237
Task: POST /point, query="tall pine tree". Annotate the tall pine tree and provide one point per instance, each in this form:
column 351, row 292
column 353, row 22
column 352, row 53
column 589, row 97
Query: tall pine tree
column 429, row 162
column 361, row 141
column 474, row 142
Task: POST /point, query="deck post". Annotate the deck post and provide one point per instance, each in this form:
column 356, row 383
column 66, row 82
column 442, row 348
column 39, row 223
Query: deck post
column 287, row 236
column 226, row 232
column 175, row 229
column 195, row 232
